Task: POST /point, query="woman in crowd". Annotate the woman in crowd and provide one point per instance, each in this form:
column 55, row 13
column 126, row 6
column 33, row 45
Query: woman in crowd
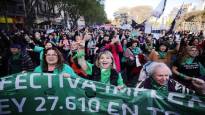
column 73, row 60
column 40, row 49
column 64, row 44
column 53, row 62
column 122, row 57
column 134, row 62
column 162, row 54
column 159, row 79
column 115, row 48
column 187, row 66
column 103, row 70
column 149, row 44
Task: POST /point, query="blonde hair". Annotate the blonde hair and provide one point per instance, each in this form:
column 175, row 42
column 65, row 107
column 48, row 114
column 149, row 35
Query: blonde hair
column 108, row 53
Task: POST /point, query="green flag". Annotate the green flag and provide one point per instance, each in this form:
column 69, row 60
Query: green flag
column 50, row 94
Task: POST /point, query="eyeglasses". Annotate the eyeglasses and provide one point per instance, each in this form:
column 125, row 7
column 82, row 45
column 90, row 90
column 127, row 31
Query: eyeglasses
column 193, row 50
column 51, row 55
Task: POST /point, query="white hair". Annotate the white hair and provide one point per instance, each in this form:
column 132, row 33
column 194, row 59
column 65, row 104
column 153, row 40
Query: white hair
column 156, row 65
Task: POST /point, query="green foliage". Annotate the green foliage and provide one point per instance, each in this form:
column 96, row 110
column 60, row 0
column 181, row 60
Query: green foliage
column 91, row 10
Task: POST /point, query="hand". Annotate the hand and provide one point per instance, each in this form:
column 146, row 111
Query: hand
column 66, row 75
column 120, row 87
column 81, row 44
column 113, row 41
column 188, row 78
column 29, row 49
column 153, row 50
column 132, row 58
column 199, row 84
column 23, row 71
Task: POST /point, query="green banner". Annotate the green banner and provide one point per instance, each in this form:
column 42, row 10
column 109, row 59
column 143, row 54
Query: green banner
column 50, row 94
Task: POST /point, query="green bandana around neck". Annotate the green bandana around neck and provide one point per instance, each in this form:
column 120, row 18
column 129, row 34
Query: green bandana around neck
column 16, row 56
column 105, row 75
column 162, row 54
column 162, row 89
column 136, row 50
column 188, row 60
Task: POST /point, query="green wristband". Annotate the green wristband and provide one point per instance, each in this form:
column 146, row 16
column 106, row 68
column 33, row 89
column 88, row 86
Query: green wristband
column 181, row 75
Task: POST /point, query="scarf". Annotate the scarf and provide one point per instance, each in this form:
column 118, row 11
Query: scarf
column 136, row 51
column 105, row 75
column 162, row 89
column 16, row 56
column 188, row 61
column 162, row 55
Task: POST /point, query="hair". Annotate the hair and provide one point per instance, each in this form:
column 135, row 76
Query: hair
column 52, row 43
column 185, row 53
column 106, row 53
column 156, row 65
column 191, row 42
column 131, row 42
column 164, row 44
column 60, row 61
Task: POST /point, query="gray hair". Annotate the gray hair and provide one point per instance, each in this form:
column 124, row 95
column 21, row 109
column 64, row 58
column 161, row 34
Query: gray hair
column 156, row 65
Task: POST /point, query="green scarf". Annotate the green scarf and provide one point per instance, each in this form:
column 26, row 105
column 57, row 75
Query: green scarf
column 162, row 89
column 136, row 50
column 16, row 56
column 105, row 75
column 188, row 61
column 162, row 54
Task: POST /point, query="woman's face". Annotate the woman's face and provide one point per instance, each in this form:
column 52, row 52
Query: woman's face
column 134, row 45
column 78, row 39
column 161, row 76
column 105, row 61
column 124, row 42
column 195, row 42
column 64, row 37
column 51, row 57
column 162, row 48
column 193, row 52
column 106, row 38
column 48, row 45
column 74, row 46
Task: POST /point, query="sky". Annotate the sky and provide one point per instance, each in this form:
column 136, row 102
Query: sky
column 113, row 5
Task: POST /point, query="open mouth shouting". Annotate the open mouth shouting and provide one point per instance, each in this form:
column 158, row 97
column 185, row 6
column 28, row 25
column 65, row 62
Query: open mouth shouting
column 105, row 65
column 105, row 61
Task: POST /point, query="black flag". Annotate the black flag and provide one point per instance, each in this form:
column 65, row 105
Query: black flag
column 134, row 24
column 174, row 21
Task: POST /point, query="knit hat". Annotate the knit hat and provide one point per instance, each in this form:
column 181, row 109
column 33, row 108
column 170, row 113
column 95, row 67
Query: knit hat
column 15, row 46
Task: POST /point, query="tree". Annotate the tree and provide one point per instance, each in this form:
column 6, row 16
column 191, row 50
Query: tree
column 90, row 9
column 94, row 13
column 34, row 8
column 137, row 13
column 140, row 13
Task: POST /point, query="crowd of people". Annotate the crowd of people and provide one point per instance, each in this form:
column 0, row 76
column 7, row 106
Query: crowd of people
column 124, row 58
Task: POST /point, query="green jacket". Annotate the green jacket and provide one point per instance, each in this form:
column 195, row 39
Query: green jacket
column 39, row 50
column 66, row 69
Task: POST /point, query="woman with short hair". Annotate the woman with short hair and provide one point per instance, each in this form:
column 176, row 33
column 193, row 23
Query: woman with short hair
column 159, row 79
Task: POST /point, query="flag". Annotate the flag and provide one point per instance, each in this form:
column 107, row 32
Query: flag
column 176, row 18
column 159, row 9
column 134, row 24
